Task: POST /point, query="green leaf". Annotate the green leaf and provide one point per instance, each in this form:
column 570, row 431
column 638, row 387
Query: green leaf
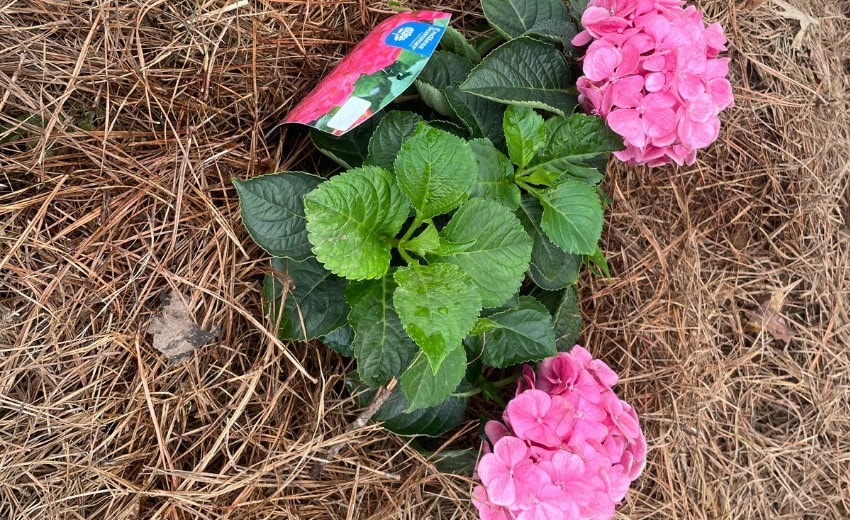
column 481, row 326
column 303, row 299
column 551, row 267
column 487, row 42
column 382, row 349
column 482, row 117
column 568, row 320
column 522, row 335
column 572, row 142
column 426, row 242
column 577, row 8
column 500, row 251
column 393, row 129
column 454, row 462
column 424, row 388
column 350, row 219
column 495, row 175
column 437, row 304
column 525, row 72
column 525, row 134
column 572, row 216
column 597, row 263
column 436, row 170
column 340, row 340
column 272, row 209
column 554, row 31
column 455, row 42
column 442, row 70
column 431, row 422
column 511, row 18
column 350, row 149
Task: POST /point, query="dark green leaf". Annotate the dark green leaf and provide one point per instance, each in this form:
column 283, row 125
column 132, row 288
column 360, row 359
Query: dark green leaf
column 577, row 8
column 572, row 142
column 567, row 320
column 436, row 170
column 500, row 249
column 455, row 462
column 423, row 388
column 393, row 129
column 351, row 149
column 350, row 219
column 442, row 70
column 512, row 18
column 311, row 299
column 382, row 349
column 554, row 31
column 525, row 72
column 522, row 335
column 431, row 422
column 340, row 340
column 272, row 209
column 495, row 175
column 455, row 42
column 572, row 216
column 437, row 304
column 551, row 267
column 483, row 117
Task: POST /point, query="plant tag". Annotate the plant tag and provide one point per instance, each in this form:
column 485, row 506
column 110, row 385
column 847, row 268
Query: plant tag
column 378, row 70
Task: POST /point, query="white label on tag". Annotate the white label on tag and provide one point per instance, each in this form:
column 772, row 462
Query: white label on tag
column 349, row 113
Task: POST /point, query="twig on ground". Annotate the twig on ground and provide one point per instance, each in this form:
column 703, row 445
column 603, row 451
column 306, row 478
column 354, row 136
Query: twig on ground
column 381, row 397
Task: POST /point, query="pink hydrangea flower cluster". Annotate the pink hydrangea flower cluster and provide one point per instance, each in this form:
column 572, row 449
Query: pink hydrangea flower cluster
column 568, row 448
column 653, row 73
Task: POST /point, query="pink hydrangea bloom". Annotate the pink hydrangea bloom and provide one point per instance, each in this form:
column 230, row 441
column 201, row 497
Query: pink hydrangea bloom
column 569, row 448
column 652, row 72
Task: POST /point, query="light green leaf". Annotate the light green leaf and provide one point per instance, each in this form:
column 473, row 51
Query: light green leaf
column 597, row 263
column 426, row 242
column 393, row 129
column 382, row 349
column 572, row 216
column 482, row 116
column 481, row 326
column 272, row 209
column 424, row 388
column 303, row 299
column 500, row 251
column 511, row 18
column 522, row 335
column 551, row 267
column 525, row 134
column 455, row 42
column 436, row 170
column 495, row 175
column 350, row 149
column 525, row 72
column 437, row 304
column 350, row 219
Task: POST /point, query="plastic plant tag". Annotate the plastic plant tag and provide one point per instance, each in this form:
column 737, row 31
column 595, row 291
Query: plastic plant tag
column 377, row 71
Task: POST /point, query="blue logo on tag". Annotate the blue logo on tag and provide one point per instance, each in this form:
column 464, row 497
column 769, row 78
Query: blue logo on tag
column 421, row 38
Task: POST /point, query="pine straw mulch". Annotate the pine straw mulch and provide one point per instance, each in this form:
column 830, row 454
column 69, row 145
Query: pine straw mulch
column 121, row 125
